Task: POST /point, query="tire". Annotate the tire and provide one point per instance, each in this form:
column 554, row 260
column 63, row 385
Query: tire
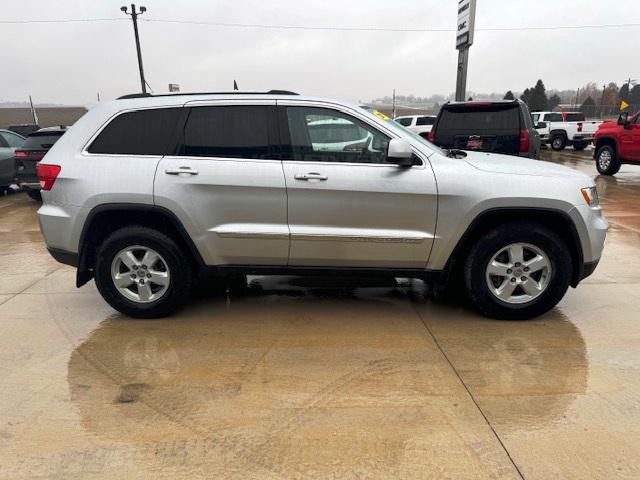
column 558, row 142
column 607, row 161
column 579, row 146
column 532, row 237
column 35, row 195
column 178, row 269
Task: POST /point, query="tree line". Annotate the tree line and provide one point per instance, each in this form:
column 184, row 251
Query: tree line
column 594, row 101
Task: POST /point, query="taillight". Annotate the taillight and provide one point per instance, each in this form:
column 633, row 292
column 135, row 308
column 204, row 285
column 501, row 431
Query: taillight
column 28, row 155
column 47, row 175
column 579, row 126
column 524, row 140
column 432, row 136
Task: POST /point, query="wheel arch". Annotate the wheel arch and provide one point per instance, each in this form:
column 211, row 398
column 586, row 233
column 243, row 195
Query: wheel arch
column 608, row 140
column 107, row 218
column 558, row 221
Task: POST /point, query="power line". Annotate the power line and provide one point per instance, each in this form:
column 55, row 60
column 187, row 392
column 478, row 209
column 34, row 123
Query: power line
column 62, row 20
column 328, row 28
column 385, row 29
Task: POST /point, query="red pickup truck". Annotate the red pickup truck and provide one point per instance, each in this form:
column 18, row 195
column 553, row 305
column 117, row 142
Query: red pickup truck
column 617, row 143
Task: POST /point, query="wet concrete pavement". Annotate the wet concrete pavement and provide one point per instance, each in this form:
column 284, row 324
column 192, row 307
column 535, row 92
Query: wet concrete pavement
column 303, row 378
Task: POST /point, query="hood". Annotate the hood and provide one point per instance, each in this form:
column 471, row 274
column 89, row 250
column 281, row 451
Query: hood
column 495, row 163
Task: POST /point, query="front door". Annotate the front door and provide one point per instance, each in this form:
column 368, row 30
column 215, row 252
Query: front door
column 348, row 207
column 630, row 140
column 226, row 184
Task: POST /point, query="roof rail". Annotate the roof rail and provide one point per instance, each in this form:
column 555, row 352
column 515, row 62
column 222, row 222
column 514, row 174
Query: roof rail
column 232, row 92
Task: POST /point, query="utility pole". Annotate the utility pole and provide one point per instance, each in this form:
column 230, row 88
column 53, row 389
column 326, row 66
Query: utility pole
column 393, row 104
column 604, row 90
column 134, row 18
column 464, row 39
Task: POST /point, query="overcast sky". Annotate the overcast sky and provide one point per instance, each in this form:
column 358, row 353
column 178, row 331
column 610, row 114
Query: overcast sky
column 70, row 62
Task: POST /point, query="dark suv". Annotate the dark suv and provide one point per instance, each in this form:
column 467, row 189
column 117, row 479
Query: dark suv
column 29, row 155
column 498, row 127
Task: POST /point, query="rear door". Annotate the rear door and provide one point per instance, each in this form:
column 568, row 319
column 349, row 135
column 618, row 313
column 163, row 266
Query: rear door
column 486, row 127
column 347, row 207
column 225, row 183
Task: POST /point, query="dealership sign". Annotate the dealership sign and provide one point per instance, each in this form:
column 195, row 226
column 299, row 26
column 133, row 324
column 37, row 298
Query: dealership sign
column 466, row 19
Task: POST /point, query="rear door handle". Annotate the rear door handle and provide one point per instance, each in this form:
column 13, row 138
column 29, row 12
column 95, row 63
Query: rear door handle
column 178, row 171
column 310, row 176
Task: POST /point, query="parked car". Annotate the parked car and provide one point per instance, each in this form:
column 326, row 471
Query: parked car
column 29, row 155
column 24, row 129
column 420, row 124
column 617, row 143
column 560, row 129
column 146, row 192
column 497, row 127
column 9, row 141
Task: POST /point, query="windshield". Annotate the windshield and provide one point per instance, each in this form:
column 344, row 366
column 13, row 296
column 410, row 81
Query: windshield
column 400, row 130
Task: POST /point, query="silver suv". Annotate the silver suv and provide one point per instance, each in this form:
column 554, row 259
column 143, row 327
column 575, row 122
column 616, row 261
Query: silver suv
column 146, row 193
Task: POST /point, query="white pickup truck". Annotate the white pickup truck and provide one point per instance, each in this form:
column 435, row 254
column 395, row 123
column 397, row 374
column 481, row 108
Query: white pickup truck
column 560, row 129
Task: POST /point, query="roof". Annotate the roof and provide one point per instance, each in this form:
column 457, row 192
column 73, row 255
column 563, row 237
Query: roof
column 232, row 92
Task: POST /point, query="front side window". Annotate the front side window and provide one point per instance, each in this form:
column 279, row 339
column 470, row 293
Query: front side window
column 553, row 117
column 142, row 132
column 325, row 135
column 240, row 131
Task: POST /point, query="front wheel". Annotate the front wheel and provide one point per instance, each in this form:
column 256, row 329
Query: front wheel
column 142, row 273
column 517, row 271
column 607, row 161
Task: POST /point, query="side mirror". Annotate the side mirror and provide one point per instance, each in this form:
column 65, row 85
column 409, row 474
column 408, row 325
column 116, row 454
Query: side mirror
column 399, row 152
column 541, row 125
column 623, row 119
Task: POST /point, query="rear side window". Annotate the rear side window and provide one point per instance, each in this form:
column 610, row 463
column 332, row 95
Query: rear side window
column 42, row 142
column 425, row 121
column 480, row 118
column 12, row 140
column 575, row 117
column 143, row 132
column 227, row 131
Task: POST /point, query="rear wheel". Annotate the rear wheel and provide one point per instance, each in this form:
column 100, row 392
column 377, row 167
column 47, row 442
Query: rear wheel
column 517, row 271
column 607, row 161
column 558, row 142
column 142, row 273
column 579, row 146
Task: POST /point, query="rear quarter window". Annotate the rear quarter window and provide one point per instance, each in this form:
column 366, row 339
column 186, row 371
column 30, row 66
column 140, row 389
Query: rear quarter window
column 141, row 132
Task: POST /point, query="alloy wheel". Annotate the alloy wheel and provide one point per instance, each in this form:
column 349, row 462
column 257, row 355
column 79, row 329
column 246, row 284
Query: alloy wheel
column 518, row 273
column 140, row 274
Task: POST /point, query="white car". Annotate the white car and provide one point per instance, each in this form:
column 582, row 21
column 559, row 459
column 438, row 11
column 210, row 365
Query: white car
column 420, row 124
column 560, row 129
column 337, row 134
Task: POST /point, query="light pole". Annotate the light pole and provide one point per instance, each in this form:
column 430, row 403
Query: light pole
column 134, row 18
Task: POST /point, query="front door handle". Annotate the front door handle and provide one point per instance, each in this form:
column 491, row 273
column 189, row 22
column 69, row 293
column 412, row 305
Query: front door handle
column 178, row 171
column 310, row 176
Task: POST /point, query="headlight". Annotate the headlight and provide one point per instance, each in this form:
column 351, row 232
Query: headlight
column 590, row 195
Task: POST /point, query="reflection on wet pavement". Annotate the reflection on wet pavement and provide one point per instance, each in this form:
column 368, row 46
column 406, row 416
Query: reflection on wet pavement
column 290, row 377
